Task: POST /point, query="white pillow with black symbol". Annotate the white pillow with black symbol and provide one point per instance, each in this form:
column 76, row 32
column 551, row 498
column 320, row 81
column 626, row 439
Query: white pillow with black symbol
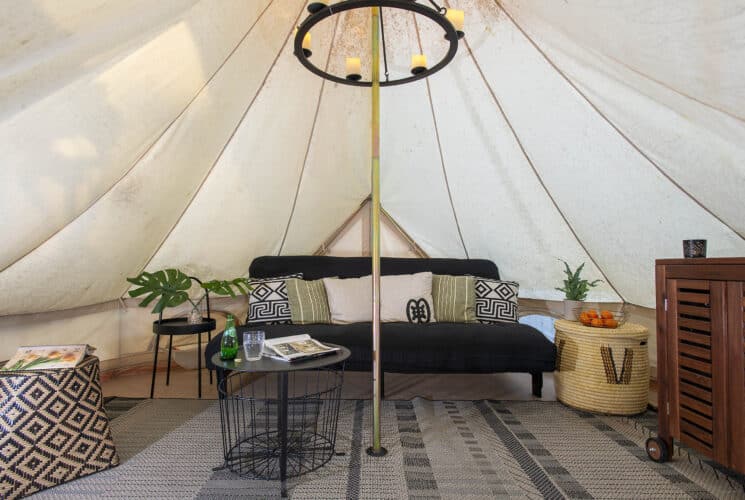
column 407, row 298
column 496, row 301
column 404, row 298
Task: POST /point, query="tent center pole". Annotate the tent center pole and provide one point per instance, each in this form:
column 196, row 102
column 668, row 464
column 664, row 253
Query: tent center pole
column 376, row 449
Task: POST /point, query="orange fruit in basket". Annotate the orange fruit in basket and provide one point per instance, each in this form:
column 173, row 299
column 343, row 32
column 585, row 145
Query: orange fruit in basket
column 610, row 323
column 592, row 313
column 606, row 314
column 596, row 322
column 583, row 317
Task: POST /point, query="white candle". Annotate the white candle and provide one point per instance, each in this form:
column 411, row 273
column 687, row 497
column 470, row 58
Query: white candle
column 354, row 66
column 418, row 61
column 456, row 18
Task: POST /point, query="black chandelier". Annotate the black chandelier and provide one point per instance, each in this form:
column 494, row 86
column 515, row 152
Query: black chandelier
column 450, row 20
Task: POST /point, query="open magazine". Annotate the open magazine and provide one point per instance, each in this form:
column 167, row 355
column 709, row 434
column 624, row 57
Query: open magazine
column 296, row 348
column 45, row 357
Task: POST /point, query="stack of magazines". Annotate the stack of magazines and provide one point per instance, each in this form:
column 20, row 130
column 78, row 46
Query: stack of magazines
column 296, row 348
column 45, row 357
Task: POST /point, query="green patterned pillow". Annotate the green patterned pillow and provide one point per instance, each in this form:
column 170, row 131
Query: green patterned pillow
column 454, row 298
column 308, row 301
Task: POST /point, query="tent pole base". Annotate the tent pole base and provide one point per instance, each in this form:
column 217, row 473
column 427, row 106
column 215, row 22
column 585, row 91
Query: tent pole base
column 380, row 453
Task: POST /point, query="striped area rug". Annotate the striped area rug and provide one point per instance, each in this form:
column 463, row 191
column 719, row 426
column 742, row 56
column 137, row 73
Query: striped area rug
column 436, row 450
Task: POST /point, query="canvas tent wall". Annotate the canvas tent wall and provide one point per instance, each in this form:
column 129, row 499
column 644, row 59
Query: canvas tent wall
column 183, row 133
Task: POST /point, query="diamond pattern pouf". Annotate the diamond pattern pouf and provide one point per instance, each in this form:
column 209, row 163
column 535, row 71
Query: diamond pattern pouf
column 53, row 428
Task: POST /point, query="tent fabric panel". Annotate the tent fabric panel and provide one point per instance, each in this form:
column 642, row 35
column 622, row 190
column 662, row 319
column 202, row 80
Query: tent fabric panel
column 120, row 233
column 693, row 48
column 505, row 213
column 697, row 146
column 581, row 158
column 242, row 208
column 336, row 175
column 49, row 44
column 336, row 171
column 413, row 187
column 66, row 150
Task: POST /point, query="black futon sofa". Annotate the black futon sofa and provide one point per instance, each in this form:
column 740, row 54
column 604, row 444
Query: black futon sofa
column 413, row 347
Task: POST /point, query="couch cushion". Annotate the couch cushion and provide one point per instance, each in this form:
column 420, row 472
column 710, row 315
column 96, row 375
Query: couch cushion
column 496, row 301
column 267, row 301
column 405, row 297
column 308, row 302
column 454, row 298
column 432, row 348
column 315, row 266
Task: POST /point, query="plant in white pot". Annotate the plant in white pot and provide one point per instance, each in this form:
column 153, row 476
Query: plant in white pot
column 575, row 289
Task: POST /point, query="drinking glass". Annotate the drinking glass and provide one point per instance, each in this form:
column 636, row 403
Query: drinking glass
column 253, row 344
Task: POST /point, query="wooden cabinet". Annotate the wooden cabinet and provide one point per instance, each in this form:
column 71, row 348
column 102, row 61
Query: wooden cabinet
column 700, row 357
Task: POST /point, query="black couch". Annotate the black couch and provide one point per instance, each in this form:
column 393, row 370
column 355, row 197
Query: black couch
column 408, row 347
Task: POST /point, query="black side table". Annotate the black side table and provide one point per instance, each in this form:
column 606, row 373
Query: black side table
column 282, row 426
column 181, row 326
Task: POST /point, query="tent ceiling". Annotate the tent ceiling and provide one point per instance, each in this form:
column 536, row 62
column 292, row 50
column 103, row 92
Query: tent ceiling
column 184, row 133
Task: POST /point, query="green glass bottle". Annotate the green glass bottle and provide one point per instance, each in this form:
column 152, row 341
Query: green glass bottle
column 229, row 342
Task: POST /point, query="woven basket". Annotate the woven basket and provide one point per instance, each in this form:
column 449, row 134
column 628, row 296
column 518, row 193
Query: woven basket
column 53, row 428
column 602, row 370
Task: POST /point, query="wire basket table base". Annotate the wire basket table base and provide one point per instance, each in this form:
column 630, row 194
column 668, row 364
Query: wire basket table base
column 281, row 424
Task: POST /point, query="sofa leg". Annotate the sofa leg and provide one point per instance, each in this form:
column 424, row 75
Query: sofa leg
column 537, row 383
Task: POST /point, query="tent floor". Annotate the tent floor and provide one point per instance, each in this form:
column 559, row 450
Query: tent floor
column 504, row 386
column 500, row 386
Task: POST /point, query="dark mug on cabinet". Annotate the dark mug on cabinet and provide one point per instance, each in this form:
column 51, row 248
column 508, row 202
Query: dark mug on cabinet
column 694, row 249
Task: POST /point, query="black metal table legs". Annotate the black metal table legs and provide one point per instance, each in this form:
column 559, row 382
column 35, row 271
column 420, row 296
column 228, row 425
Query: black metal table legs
column 282, row 429
column 199, row 364
column 168, row 369
column 170, row 355
column 155, row 363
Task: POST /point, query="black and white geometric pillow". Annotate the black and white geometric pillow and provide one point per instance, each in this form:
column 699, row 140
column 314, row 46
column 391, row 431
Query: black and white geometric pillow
column 496, row 301
column 267, row 301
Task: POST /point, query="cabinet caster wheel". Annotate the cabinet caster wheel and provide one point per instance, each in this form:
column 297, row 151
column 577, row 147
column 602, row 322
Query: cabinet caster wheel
column 657, row 449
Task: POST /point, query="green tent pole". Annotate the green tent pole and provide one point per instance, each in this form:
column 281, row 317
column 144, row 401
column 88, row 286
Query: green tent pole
column 376, row 449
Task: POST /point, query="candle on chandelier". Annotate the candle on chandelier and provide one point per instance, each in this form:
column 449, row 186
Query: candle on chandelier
column 354, row 68
column 418, row 63
column 456, row 18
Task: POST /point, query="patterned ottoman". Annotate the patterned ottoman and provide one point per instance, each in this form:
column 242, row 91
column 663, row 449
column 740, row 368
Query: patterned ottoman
column 53, row 428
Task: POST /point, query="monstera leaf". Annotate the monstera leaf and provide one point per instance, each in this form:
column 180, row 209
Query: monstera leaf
column 225, row 287
column 171, row 286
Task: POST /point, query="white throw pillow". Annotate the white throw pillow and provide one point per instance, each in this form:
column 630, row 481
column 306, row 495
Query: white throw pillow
column 406, row 298
column 349, row 299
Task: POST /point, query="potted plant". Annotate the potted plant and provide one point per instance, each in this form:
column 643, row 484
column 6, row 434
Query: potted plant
column 575, row 289
column 171, row 288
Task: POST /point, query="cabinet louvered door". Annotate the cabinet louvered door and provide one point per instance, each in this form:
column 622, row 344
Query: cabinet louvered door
column 736, row 372
column 697, row 358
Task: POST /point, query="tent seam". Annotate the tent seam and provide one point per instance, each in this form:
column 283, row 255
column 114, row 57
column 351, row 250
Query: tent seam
column 439, row 147
column 147, row 149
column 310, row 141
column 534, row 169
column 227, row 142
column 617, row 129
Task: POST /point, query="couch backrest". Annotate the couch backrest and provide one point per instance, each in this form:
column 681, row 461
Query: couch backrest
column 315, row 267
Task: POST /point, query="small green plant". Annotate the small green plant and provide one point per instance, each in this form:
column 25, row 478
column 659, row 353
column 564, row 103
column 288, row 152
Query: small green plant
column 575, row 288
column 171, row 288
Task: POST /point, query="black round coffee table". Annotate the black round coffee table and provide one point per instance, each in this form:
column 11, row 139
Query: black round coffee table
column 181, row 326
column 279, row 419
